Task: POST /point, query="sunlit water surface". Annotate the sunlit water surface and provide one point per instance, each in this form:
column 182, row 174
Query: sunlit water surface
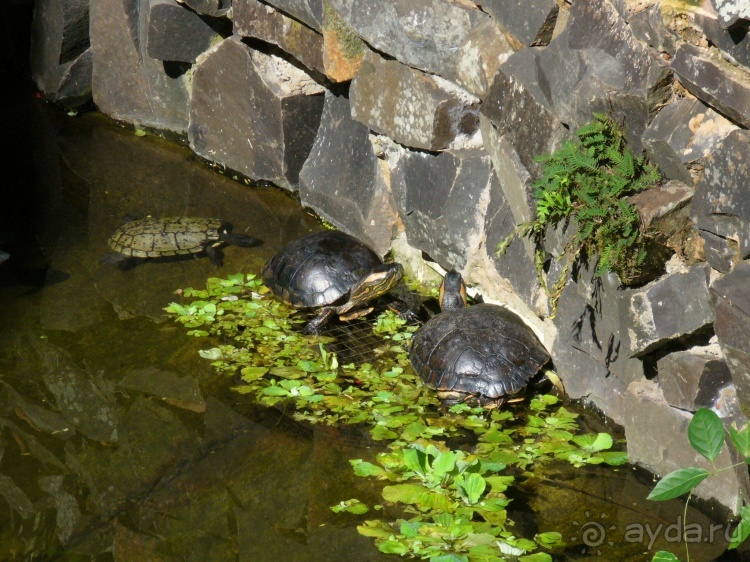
column 117, row 441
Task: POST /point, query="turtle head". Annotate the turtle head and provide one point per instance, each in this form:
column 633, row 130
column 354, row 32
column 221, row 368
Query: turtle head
column 452, row 291
column 378, row 282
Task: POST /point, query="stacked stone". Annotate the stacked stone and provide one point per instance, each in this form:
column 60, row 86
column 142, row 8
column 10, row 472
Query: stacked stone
column 421, row 120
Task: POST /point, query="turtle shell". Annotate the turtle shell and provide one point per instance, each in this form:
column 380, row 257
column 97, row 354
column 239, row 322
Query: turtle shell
column 166, row 236
column 483, row 350
column 320, row 269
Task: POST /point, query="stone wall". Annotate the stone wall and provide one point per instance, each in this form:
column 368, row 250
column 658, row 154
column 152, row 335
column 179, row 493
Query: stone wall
column 414, row 125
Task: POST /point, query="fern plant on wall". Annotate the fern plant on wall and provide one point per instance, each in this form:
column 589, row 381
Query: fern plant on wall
column 587, row 181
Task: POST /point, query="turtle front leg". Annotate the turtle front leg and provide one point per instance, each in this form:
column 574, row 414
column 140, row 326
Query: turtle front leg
column 314, row 326
column 214, row 253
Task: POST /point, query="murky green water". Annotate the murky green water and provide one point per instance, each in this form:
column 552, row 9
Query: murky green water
column 118, row 442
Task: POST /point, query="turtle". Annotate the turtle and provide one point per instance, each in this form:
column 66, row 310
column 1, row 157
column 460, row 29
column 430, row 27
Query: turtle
column 153, row 237
column 331, row 271
column 480, row 354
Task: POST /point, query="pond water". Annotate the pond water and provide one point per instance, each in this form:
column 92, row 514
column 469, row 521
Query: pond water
column 117, row 441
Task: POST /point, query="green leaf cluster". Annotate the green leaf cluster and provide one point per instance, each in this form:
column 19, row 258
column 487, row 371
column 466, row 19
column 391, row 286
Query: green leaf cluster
column 587, row 181
column 454, row 498
column 706, row 435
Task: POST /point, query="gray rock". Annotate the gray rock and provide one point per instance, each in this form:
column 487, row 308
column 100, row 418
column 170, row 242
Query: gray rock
column 411, row 107
column 60, row 55
column 174, row 33
column 482, row 52
column 254, row 19
column 520, row 112
column 597, row 64
column 721, row 252
column 657, row 440
column 598, row 387
column 648, row 26
column 309, row 12
column 516, row 264
column 442, row 200
column 127, row 84
column 342, row 179
column 734, row 42
column 425, row 34
column 674, row 306
column 531, row 22
column 209, row 7
column 694, row 378
column 266, row 122
column 730, row 299
column 721, row 85
column 721, row 205
column 681, row 134
column 732, row 13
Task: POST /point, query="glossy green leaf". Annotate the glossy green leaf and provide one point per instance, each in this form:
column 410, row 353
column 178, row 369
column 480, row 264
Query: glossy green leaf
column 472, row 486
column 706, row 433
column 677, row 483
column 741, row 440
column 593, row 443
column 664, row 556
column 536, row 557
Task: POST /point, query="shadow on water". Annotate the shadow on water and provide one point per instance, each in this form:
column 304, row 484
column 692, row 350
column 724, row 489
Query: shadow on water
column 118, row 442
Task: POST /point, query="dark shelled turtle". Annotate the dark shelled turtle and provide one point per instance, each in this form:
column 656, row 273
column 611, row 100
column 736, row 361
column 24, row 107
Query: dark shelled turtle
column 332, row 271
column 150, row 237
column 483, row 353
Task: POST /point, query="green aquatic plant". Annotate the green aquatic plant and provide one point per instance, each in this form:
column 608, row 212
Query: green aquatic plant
column 452, row 500
column 586, row 182
column 706, row 435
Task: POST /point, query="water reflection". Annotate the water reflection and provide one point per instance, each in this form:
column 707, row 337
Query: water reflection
column 118, row 442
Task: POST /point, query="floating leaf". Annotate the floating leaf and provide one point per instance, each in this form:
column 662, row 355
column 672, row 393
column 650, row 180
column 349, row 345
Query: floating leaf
column 252, row 374
column 664, row 556
column 471, row 486
column 211, row 354
column 677, row 483
column 706, row 433
column 415, row 494
column 593, row 443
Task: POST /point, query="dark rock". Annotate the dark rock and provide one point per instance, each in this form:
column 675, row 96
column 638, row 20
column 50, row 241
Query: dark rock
column 182, row 392
column 266, row 123
column 674, row 306
column 718, row 83
column 693, row 379
column 342, row 179
column 482, row 52
column 597, row 64
column 174, row 33
column 531, row 23
column 681, row 134
column 217, row 8
column 658, row 203
column 730, row 299
column 657, row 440
column 254, row 19
column 127, row 84
column 735, row 42
column 665, row 211
column 442, row 200
column 309, row 12
column 648, row 26
column 721, row 252
column 598, row 387
column 425, row 34
column 588, row 320
column 86, row 403
column 520, row 112
column 732, row 13
column 721, row 205
column 60, row 54
column 410, row 107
